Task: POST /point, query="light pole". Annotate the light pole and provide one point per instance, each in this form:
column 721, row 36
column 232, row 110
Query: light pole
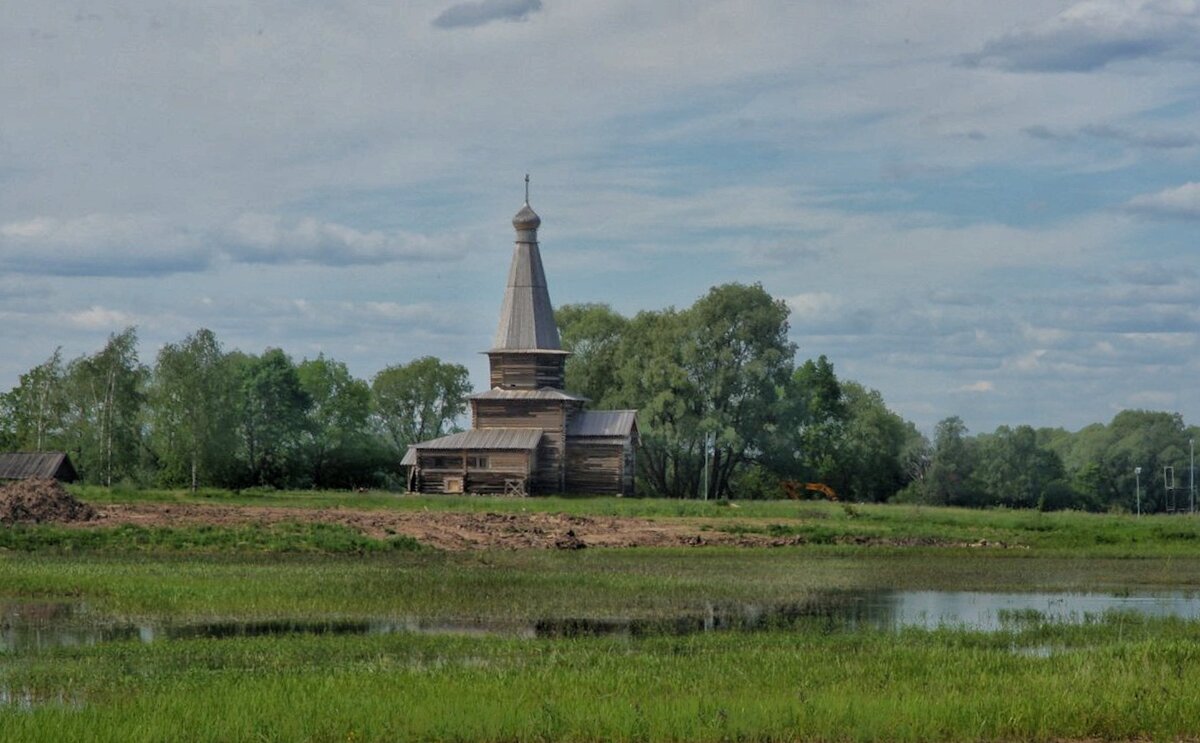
column 1137, row 479
column 1192, row 474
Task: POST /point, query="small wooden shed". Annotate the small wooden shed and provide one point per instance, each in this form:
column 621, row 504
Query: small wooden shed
column 45, row 465
column 490, row 460
column 601, row 451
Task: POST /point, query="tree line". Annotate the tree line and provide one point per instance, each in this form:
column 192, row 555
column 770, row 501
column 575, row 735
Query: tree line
column 204, row 416
column 725, row 410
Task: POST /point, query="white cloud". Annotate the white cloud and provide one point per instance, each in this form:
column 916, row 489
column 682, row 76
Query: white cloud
column 133, row 245
column 100, row 318
column 1153, row 399
column 483, row 12
column 1026, row 362
column 1042, row 336
column 1092, row 34
column 981, row 386
column 1181, row 202
column 238, row 153
column 266, row 238
column 99, row 245
column 813, row 306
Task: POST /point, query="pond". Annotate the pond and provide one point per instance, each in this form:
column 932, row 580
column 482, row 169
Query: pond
column 26, row 627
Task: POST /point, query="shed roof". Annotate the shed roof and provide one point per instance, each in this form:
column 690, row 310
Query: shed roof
column 603, row 423
column 23, row 465
column 409, row 458
column 546, row 393
column 486, row 438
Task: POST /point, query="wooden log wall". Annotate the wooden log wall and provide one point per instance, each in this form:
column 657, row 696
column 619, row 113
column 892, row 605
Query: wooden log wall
column 527, row 371
column 503, row 465
column 630, row 472
column 549, row 477
column 595, row 466
column 547, row 415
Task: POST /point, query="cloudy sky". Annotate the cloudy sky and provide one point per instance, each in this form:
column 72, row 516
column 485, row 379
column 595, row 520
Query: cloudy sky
column 980, row 208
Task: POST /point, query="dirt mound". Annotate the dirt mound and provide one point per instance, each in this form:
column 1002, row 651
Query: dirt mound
column 37, row 501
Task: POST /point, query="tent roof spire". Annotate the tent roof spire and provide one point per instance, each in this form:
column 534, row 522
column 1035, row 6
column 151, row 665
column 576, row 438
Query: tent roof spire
column 526, row 315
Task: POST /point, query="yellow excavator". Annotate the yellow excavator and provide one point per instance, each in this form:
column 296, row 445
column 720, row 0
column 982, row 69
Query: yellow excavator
column 795, row 490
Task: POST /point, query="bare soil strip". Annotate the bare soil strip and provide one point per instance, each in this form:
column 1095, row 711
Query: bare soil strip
column 466, row 531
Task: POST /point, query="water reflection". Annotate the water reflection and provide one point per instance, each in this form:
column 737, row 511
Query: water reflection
column 26, row 627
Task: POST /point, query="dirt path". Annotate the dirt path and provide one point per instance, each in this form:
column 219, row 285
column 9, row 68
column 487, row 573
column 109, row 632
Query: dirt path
column 449, row 530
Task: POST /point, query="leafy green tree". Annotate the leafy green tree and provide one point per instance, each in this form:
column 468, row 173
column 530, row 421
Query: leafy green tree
column 875, row 444
column 652, row 378
column 272, row 417
column 949, row 480
column 708, row 378
column 418, row 401
column 739, row 358
column 1148, row 439
column 1014, row 470
column 193, row 406
column 105, row 393
column 336, row 439
column 35, row 410
column 820, row 424
column 592, row 333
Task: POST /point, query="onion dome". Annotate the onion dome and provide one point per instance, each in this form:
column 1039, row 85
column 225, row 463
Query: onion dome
column 527, row 219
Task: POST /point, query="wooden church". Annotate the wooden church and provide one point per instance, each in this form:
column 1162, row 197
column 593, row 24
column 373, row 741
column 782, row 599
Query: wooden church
column 529, row 435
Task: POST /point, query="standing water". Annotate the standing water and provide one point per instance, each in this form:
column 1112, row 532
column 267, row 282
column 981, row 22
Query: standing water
column 29, row 627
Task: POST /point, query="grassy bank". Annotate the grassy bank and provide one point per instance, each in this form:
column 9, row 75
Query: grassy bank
column 1121, row 678
column 284, row 537
column 532, row 584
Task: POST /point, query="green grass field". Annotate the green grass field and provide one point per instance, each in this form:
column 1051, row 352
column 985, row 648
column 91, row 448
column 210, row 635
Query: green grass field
column 1116, row 677
column 1119, row 679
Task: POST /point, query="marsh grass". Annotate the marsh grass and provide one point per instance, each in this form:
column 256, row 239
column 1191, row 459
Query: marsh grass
column 1114, row 678
column 280, row 537
column 534, row 584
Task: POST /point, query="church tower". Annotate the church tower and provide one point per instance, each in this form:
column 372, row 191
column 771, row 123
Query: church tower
column 526, row 353
column 528, row 434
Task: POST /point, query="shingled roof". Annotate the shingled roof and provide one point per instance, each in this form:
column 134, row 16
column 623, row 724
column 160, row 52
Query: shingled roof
column 603, row 423
column 546, row 393
column 24, row 465
column 526, row 315
column 486, row 438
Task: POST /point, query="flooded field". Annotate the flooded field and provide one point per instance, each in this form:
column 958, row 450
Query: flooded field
column 28, row 627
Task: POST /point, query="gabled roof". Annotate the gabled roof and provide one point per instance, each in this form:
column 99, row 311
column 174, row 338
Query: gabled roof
column 43, row 464
column 526, row 315
column 546, row 393
column 603, row 423
column 486, row 438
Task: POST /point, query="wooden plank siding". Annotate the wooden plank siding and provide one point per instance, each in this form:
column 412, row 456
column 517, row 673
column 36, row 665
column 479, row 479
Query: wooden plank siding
column 628, row 476
column 551, row 416
column 434, row 467
column 550, row 475
column 527, row 371
column 548, row 415
column 595, row 466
